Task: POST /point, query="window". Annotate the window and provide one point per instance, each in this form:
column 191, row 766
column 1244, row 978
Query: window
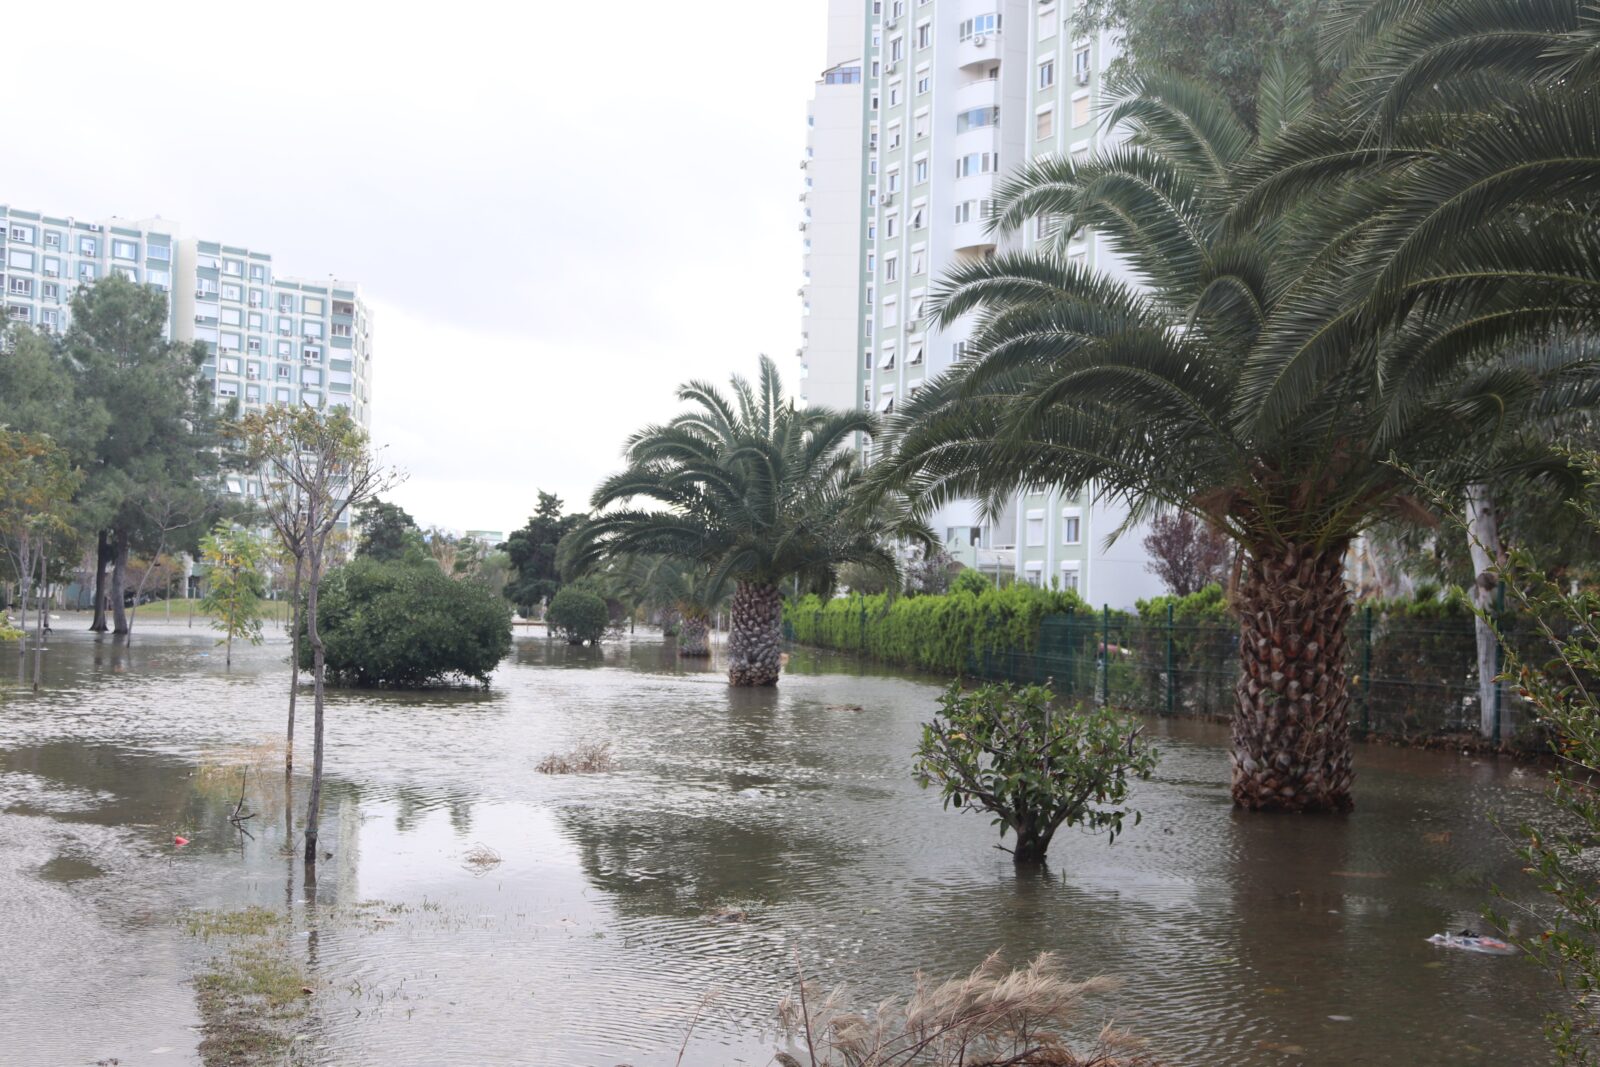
column 228, row 365
column 887, row 362
column 977, row 163
column 50, row 291
column 205, row 287
column 891, row 181
column 1044, row 125
column 21, row 286
column 19, row 312
column 311, row 354
column 1035, row 530
column 258, row 299
column 919, row 171
column 842, row 76
column 22, row 233
column 924, row 82
column 982, row 24
column 285, row 303
column 919, row 125
column 230, row 342
column 88, row 246
column 232, row 317
column 894, row 95
column 310, row 376
column 311, row 305
column 958, row 351
column 1069, row 577
column 281, row 396
column 1047, row 22
column 253, row 346
column 50, row 318
column 894, row 135
column 252, row 394
column 86, row 272
column 285, row 373
column 232, row 292
column 19, row 258
column 1071, row 528
column 886, row 403
column 233, row 268
column 285, row 326
column 897, row 49
column 977, row 118
column 124, row 249
column 1047, row 73
column 925, row 35
column 891, row 314
column 52, row 239
column 891, row 269
column 258, row 273
column 972, row 211
column 341, row 329
column 255, row 321
column 1080, row 66
column 228, row 390
column 127, row 272
column 891, row 226
column 1080, row 110
column 919, row 260
column 871, row 262
column 161, row 252
column 159, row 278
column 919, row 217
column 914, row 354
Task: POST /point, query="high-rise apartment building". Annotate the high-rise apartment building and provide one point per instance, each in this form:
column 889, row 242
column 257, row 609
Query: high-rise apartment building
column 951, row 95
column 270, row 339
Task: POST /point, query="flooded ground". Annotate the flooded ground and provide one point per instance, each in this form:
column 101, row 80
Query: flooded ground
column 1238, row 940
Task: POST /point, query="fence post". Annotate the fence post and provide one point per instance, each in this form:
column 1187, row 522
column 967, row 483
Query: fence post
column 1171, row 681
column 1105, row 655
column 1366, row 673
column 1499, row 681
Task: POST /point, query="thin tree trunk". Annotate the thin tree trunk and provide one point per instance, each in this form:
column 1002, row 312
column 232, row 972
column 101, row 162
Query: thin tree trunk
column 692, row 639
column 757, row 626
column 102, row 560
column 317, row 663
column 1483, row 544
column 294, row 669
column 1291, row 738
column 44, row 618
column 24, row 576
column 119, row 579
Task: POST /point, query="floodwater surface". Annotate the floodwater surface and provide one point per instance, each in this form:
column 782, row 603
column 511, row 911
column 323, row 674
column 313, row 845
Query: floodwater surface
column 609, row 931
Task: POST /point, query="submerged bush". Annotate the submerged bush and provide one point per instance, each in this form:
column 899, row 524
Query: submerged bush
column 578, row 614
column 407, row 623
column 1007, row 751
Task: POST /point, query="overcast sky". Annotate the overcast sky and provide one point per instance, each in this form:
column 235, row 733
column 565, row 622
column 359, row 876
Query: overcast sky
column 558, row 213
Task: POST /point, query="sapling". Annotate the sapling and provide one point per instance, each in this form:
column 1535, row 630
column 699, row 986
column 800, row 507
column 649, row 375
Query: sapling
column 1035, row 767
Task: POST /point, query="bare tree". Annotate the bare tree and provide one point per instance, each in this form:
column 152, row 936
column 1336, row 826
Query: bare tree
column 1186, row 554
column 315, row 469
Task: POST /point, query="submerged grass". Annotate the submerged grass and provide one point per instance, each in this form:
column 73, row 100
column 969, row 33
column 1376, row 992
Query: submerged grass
column 591, row 757
column 252, row 996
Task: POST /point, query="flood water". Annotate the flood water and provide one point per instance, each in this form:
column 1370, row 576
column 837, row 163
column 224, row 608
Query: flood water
column 1237, row 939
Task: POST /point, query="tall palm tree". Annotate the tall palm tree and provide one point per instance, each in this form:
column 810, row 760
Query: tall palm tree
column 1178, row 391
column 759, row 491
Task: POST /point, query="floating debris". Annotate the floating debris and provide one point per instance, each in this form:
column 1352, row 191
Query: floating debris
column 587, row 758
column 1468, row 941
column 480, row 859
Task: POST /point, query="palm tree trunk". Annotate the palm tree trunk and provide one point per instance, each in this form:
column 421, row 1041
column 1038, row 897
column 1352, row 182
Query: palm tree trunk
column 692, row 631
column 757, row 626
column 1291, row 737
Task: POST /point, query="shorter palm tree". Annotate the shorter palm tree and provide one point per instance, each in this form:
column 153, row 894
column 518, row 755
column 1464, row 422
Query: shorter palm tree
column 759, row 492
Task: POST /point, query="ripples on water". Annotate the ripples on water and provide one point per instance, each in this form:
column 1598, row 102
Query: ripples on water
column 1237, row 938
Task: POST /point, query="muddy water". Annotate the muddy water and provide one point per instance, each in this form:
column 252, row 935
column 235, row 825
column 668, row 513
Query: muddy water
column 1238, row 940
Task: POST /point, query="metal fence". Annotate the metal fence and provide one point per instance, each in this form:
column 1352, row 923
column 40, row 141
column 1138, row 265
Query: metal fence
column 1410, row 677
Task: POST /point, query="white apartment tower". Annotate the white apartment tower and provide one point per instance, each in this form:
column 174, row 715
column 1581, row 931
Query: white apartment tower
column 952, row 94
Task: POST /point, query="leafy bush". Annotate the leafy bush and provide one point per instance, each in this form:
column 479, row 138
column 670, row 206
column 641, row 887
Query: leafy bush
column 947, row 633
column 579, row 614
column 1005, row 750
column 407, row 623
column 971, row 582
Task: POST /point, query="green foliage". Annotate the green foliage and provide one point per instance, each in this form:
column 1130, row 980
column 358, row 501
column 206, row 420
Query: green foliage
column 233, row 557
column 406, row 623
column 579, row 614
column 946, row 634
column 971, row 582
column 1007, row 751
column 387, row 532
column 1230, row 44
column 533, row 550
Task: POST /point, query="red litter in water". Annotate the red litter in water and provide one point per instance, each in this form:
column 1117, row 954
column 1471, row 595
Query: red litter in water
column 179, row 841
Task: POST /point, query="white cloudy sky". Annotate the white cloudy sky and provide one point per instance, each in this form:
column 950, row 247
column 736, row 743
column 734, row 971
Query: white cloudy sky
column 559, row 212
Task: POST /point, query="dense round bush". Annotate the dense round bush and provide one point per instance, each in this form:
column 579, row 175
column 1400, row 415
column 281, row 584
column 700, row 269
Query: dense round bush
column 580, row 615
column 970, row 581
column 407, row 623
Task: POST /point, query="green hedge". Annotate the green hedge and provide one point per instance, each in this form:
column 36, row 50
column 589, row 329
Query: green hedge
column 948, row 634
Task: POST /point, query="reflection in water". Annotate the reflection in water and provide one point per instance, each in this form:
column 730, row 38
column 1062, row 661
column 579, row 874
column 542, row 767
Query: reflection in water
column 1240, row 940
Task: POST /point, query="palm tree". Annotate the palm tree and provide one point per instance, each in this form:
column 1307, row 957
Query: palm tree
column 758, row 491
column 677, row 589
column 1182, row 391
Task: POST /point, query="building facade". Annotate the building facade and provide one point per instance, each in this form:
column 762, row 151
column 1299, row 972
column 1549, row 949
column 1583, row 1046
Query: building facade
column 269, row 339
column 954, row 93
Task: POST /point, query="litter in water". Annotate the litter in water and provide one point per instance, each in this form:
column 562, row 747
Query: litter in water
column 179, row 841
column 1471, row 942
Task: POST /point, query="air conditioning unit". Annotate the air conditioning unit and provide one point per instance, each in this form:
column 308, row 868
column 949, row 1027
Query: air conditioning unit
column 888, row 199
column 979, row 40
column 891, row 24
column 1083, row 77
column 891, row 68
column 802, row 227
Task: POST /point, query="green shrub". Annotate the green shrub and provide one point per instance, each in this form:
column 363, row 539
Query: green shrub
column 407, row 623
column 578, row 614
column 948, row 634
column 971, row 582
column 1005, row 750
